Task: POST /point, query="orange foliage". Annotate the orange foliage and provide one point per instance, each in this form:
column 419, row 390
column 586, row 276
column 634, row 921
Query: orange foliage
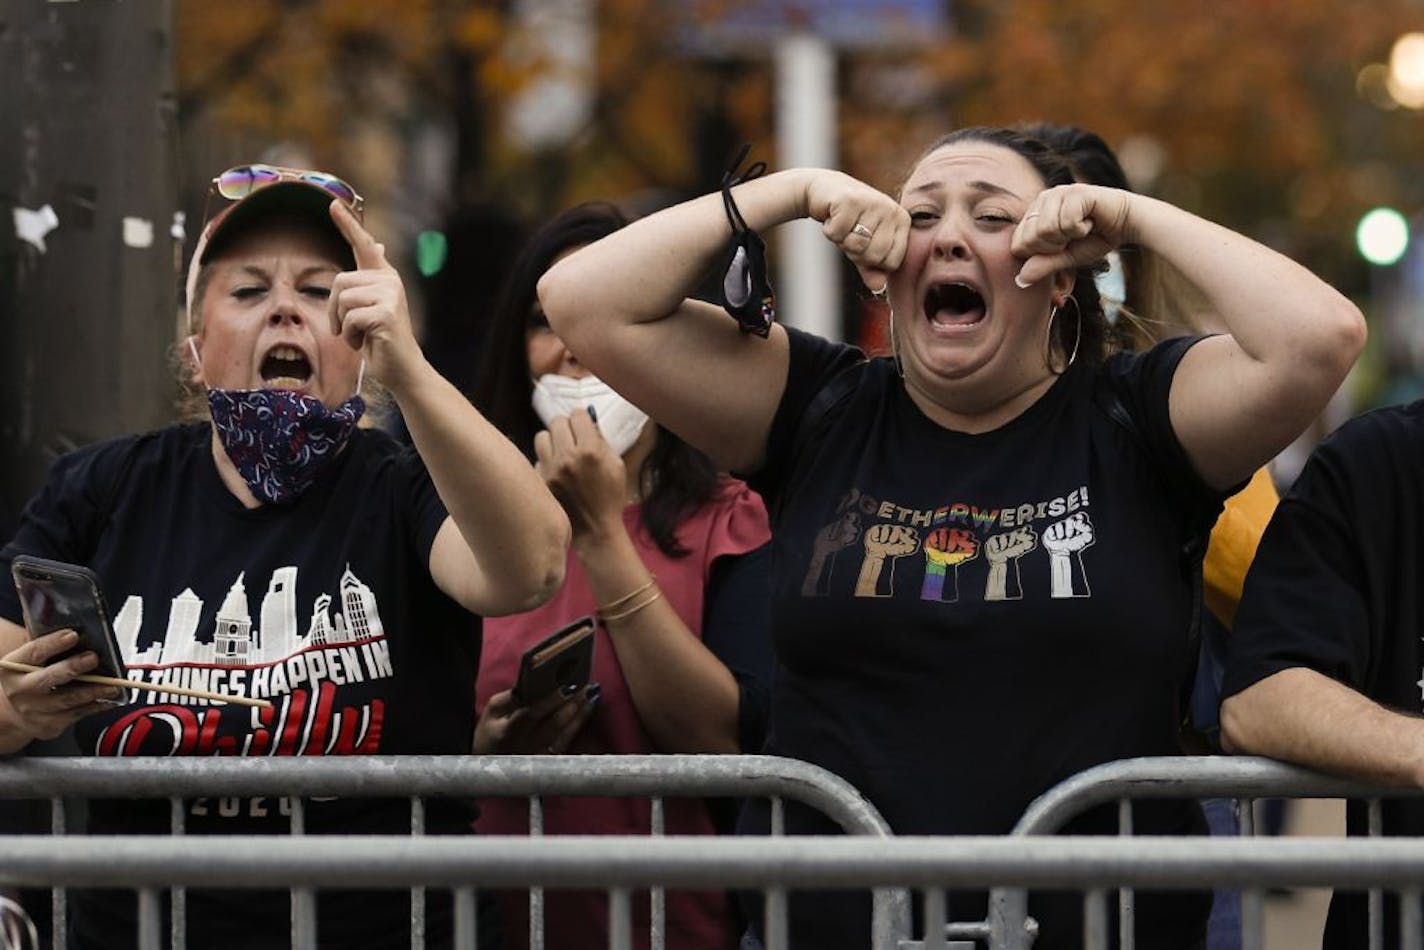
column 1252, row 102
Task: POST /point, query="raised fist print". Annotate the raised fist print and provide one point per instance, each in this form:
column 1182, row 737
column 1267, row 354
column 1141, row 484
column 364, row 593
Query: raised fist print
column 945, row 550
column 1003, row 552
column 834, row 537
column 1065, row 542
column 884, row 541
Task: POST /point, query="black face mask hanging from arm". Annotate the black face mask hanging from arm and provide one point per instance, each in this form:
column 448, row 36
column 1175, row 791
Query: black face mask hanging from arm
column 746, row 290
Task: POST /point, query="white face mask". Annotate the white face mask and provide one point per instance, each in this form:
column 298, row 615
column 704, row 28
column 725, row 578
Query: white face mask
column 1112, row 289
column 619, row 420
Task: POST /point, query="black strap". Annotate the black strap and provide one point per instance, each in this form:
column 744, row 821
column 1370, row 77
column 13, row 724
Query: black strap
column 836, row 390
column 1193, row 550
column 731, row 179
column 746, row 290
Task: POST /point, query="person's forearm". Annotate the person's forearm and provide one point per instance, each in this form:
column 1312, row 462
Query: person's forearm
column 513, row 526
column 644, row 272
column 686, row 698
column 13, row 737
column 1301, row 716
column 1276, row 309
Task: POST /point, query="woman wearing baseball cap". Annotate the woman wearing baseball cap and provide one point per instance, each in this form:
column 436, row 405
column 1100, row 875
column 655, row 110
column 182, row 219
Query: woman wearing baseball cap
column 279, row 552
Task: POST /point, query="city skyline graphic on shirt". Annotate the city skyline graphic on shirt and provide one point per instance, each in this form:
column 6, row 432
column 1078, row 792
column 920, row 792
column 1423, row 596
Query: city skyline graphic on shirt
column 300, row 659
column 234, row 641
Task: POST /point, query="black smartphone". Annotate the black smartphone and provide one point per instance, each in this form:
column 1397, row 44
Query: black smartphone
column 58, row 596
column 562, row 661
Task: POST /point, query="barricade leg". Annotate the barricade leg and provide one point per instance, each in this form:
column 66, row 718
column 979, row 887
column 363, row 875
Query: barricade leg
column 1409, row 920
column 1095, row 920
column 1009, row 925
column 466, row 923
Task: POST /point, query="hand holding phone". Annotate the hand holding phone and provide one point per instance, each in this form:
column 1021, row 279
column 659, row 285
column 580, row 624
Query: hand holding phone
column 46, row 695
column 58, row 596
column 560, row 662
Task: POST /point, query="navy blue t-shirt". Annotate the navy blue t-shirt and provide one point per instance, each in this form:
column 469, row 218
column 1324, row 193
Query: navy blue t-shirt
column 324, row 606
column 962, row 621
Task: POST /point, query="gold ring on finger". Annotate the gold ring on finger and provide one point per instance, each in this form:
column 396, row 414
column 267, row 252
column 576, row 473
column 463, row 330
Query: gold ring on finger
column 862, row 230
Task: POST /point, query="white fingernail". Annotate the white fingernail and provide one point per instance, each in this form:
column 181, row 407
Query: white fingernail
column 1022, row 284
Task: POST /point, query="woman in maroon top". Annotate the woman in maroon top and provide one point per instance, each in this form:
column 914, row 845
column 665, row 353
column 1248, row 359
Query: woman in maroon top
column 668, row 555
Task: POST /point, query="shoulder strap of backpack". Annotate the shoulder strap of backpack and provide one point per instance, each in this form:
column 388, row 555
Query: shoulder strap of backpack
column 1193, row 550
column 813, row 419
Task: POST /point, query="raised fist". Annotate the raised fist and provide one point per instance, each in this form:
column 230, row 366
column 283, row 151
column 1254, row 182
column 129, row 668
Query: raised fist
column 945, row 550
column 1072, row 534
column 891, row 540
column 951, row 547
column 834, row 537
column 1000, row 550
column 1010, row 545
column 1065, row 541
column 883, row 541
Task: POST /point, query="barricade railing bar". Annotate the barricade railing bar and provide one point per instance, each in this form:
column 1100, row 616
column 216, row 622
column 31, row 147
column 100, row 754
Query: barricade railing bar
column 1243, row 778
column 888, row 865
column 930, row 864
column 419, row 777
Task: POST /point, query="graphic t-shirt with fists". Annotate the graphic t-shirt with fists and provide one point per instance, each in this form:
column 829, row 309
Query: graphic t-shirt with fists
column 964, row 620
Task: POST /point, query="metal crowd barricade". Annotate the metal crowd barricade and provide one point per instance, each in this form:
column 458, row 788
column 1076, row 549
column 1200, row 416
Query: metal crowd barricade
column 868, row 859
column 620, row 864
column 17, row 930
column 1243, row 778
column 417, row 778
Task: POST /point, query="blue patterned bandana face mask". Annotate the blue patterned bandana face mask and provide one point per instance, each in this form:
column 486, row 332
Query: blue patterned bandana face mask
column 280, row 440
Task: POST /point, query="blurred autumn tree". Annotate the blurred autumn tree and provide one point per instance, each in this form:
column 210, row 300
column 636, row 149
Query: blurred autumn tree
column 1244, row 110
column 418, row 102
column 324, row 75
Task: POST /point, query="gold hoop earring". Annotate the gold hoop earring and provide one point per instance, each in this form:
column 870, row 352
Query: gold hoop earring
column 894, row 343
column 1077, row 336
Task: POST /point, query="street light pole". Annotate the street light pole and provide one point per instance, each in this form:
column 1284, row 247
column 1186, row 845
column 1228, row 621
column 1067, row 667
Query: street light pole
column 808, row 289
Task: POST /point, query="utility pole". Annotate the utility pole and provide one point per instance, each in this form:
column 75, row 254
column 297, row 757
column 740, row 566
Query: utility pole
column 88, row 191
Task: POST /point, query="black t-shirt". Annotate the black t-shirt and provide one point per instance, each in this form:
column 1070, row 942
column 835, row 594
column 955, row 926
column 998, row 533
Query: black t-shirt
column 962, row 621
column 324, row 606
column 1335, row 587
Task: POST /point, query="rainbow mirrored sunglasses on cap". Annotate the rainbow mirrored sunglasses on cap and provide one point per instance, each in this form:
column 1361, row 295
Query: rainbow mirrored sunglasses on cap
column 239, row 182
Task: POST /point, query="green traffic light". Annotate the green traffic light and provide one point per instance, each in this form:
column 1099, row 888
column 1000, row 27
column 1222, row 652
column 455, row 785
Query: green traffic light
column 431, row 252
column 1382, row 236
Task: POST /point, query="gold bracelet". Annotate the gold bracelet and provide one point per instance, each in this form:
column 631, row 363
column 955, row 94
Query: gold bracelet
column 626, row 597
column 630, row 611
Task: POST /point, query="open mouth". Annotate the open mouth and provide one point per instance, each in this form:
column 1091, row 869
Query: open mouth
column 285, row 367
column 954, row 305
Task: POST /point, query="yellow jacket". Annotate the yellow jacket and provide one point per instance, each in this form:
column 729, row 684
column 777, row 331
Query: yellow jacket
column 1233, row 545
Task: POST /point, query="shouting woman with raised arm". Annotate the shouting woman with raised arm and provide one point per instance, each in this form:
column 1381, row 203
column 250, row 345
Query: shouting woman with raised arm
column 982, row 544
column 277, row 551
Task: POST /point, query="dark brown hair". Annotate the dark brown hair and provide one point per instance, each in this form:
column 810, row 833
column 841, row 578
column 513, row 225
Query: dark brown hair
column 676, row 478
